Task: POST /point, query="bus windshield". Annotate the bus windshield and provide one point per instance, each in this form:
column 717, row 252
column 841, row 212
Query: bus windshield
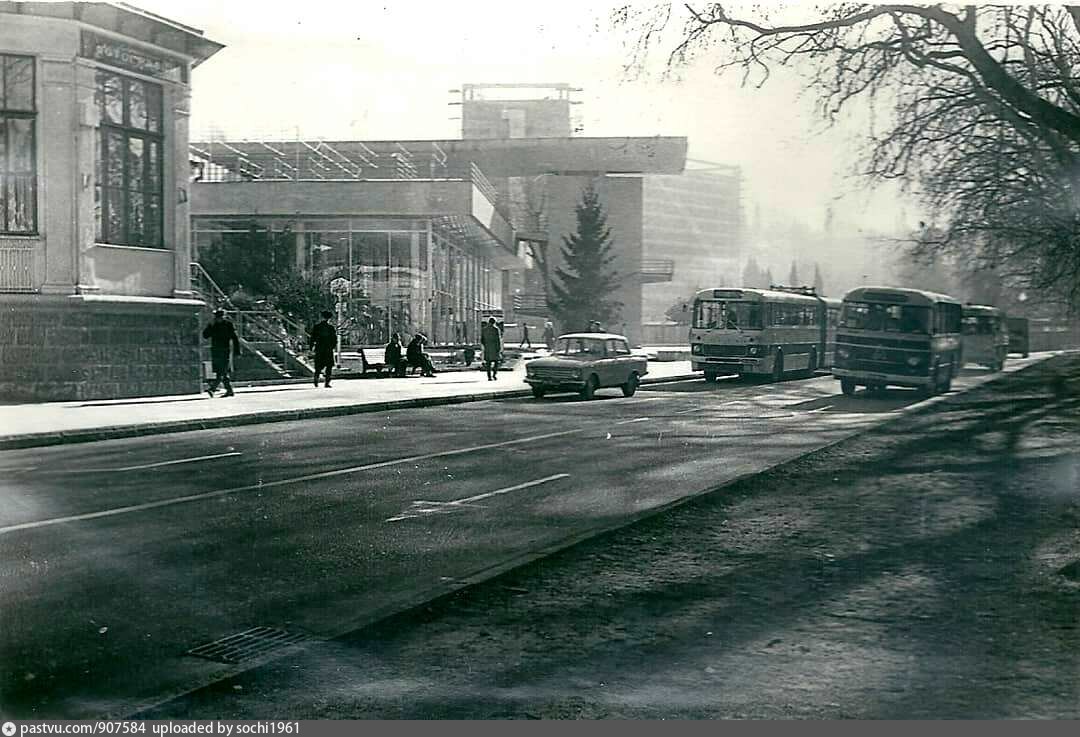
column 727, row 315
column 982, row 325
column 887, row 317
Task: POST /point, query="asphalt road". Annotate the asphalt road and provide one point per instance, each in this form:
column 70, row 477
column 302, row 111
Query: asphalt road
column 118, row 557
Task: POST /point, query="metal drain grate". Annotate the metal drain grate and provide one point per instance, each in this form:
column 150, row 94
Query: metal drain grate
column 249, row 644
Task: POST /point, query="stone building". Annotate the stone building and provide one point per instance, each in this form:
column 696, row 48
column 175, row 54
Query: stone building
column 95, row 297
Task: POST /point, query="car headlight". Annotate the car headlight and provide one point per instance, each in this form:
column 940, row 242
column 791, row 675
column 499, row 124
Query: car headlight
column 843, row 353
column 696, row 349
column 752, row 350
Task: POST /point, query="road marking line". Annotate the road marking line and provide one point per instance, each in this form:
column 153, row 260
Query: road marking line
column 159, row 464
column 627, row 422
column 423, row 507
column 272, row 484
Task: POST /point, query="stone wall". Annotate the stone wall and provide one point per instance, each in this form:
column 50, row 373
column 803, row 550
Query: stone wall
column 76, row 348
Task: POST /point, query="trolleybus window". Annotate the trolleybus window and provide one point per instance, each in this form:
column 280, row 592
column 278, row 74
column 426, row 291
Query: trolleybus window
column 889, row 318
column 982, row 325
column 728, row 315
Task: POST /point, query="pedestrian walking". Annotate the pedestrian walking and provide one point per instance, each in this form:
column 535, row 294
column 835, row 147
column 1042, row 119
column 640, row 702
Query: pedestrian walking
column 415, row 356
column 323, row 340
column 549, row 335
column 491, row 342
column 224, row 342
column 525, row 336
column 393, row 358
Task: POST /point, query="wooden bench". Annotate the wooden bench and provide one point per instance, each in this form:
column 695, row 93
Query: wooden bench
column 380, row 369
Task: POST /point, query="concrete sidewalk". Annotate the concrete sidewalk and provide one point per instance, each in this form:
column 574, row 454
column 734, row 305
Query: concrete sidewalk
column 31, row 425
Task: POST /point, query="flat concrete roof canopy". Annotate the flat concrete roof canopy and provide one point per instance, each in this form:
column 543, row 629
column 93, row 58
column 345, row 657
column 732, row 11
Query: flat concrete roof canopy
column 495, row 157
column 126, row 20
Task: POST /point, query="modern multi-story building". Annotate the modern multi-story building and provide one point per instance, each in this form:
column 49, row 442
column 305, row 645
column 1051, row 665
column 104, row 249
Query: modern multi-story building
column 692, row 225
column 94, row 246
column 430, row 234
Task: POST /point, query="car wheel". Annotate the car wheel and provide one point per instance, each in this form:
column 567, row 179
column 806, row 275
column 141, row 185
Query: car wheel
column 778, row 367
column 847, row 386
column 811, row 365
column 589, row 390
column 711, row 377
column 630, row 386
column 538, row 391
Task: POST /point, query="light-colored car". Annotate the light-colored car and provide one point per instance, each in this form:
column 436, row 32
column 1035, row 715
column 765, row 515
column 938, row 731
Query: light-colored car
column 585, row 362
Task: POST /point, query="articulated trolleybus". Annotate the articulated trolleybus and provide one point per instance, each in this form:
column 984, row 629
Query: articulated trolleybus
column 903, row 337
column 762, row 331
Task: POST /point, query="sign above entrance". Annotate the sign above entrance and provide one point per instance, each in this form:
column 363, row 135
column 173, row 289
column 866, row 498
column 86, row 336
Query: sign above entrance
column 125, row 56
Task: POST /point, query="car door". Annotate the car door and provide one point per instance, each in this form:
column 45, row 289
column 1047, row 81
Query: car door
column 618, row 361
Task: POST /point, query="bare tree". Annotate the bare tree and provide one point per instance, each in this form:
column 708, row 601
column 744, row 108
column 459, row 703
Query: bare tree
column 978, row 108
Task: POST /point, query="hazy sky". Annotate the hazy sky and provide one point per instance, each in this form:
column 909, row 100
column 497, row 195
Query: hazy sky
column 382, row 70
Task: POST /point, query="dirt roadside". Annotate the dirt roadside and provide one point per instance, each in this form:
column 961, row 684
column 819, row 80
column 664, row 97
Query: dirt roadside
column 927, row 569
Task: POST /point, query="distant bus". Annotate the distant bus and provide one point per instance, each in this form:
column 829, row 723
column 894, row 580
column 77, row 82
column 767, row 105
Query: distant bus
column 900, row 337
column 761, row 331
column 1019, row 336
column 985, row 336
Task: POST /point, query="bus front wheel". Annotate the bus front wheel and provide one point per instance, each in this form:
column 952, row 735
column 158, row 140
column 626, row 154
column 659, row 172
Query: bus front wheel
column 847, row 386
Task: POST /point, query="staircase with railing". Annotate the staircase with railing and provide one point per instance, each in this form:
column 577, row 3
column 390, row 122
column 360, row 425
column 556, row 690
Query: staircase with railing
column 274, row 339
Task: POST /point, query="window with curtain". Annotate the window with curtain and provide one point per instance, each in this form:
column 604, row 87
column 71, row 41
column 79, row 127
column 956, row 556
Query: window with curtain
column 128, row 191
column 18, row 163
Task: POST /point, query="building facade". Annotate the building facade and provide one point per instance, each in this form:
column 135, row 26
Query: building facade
column 95, row 296
column 431, row 235
column 692, row 223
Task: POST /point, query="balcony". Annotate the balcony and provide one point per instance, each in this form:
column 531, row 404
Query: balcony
column 656, row 270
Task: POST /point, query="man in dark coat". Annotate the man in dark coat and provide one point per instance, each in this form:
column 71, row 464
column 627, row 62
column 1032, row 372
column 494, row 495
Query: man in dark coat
column 222, row 336
column 323, row 343
column 415, row 355
column 491, row 342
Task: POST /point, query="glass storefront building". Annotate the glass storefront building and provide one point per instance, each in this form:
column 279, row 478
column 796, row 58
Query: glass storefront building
column 406, row 275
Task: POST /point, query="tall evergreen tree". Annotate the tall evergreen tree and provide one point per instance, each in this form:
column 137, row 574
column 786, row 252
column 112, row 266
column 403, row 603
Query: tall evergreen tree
column 752, row 275
column 768, row 279
column 819, row 281
column 793, row 275
column 584, row 285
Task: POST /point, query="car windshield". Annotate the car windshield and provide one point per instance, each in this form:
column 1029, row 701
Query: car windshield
column 727, row 315
column 886, row 317
column 579, row 347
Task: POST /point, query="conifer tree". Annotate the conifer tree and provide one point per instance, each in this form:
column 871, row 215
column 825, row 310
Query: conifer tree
column 584, row 285
column 793, row 275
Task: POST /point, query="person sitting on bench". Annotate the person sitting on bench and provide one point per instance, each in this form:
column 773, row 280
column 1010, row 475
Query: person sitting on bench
column 416, row 357
column 395, row 362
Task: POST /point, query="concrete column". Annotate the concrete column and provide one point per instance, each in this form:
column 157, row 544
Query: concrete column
column 86, row 143
column 177, row 185
column 57, row 174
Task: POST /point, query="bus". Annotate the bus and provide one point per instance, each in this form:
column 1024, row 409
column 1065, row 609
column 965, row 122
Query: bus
column 761, row 331
column 901, row 337
column 985, row 336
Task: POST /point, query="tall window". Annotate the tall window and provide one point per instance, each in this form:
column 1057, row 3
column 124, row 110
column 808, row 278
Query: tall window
column 18, row 180
column 128, row 193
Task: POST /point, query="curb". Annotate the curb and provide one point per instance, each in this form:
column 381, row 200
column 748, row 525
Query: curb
column 116, row 432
